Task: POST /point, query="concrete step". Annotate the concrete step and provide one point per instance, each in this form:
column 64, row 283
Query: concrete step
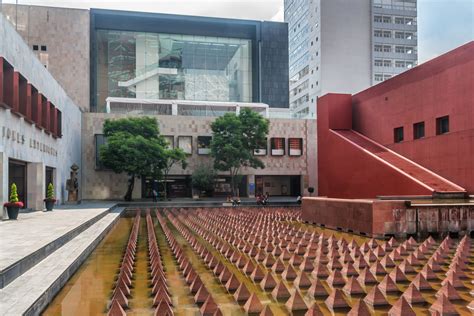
column 34, row 243
column 30, row 293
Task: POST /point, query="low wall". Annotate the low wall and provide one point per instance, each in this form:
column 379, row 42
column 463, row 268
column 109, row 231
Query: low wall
column 380, row 218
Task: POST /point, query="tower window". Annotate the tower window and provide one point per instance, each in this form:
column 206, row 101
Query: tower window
column 442, row 125
column 419, row 130
column 398, row 134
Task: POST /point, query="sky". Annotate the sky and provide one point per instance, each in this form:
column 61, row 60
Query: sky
column 442, row 24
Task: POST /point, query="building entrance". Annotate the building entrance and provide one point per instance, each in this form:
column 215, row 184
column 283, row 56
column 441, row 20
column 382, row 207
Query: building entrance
column 278, row 185
column 17, row 175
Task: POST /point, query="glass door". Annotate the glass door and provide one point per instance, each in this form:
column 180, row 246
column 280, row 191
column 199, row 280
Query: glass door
column 17, row 175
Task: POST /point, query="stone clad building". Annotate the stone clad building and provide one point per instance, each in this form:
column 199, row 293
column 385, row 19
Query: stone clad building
column 183, row 70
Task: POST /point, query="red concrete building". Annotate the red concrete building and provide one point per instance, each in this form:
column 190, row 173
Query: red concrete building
column 407, row 138
column 410, row 135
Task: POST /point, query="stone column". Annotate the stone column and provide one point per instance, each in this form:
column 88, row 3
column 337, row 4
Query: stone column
column 251, row 185
column 3, row 182
column 36, row 189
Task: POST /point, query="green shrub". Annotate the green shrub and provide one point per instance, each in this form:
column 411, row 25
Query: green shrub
column 13, row 194
column 50, row 192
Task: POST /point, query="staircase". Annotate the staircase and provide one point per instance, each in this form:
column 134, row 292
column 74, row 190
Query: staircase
column 440, row 186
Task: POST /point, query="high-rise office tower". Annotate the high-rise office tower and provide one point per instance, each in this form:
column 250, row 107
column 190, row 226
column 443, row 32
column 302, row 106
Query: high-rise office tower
column 344, row 46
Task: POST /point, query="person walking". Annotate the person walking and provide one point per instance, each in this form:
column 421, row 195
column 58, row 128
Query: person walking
column 155, row 195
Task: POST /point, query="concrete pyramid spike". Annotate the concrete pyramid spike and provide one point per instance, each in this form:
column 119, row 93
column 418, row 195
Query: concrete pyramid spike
column 296, row 260
column 471, row 307
column 278, row 266
column 360, row 263
column 289, row 273
column 218, row 269
column 321, row 258
column 209, row 308
column 372, row 243
column 401, row 308
column 317, row 289
column 418, row 253
column 375, row 297
column 428, row 273
column 257, row 274
column 348, row 270
column 285, row 255
column 126, row 279
column 337, row 299
column 335, row 278
column 201, row 295
column 379, row 252
column 266, row 311
column 398, row 275
column 116, row 309
column 306, row 265
column 123, row 287
column 120, row 297
column 232, row 284
column 370, row 256
column 353, row 244
column 360, row 308
column 320, row 271
column 296, row 302
column 280, row 292
column 242, row 294
column 334, row 263
column 387, row 262
column 314, row 310
column 249, row 267
column 277, row 251
column 395, row 255
column 310, row 253
column 377, row 269
column 160, row 296
column 421, row 284
column 434, row 266
column 442, row 306
column 253, row 305
column 346, row 257
column 353, row 287
column 191, row 276
column 302, row 281
column 365, row 247
column 413, row 296
column 454, row 280
column 366, row 277
column 163, row 309
column 225, row 275
column 411, row 259
column 459, row 263
column 268, row 282
column 269, row 260
column 158, row 285
column 260, row 256
column 406, row 267
column 457, row 272
column 196, row 285
column 449, row 291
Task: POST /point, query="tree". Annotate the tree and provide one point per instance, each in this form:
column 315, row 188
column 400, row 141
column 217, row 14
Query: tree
column 134, row 146
column 235, row 138
column 172, row 157
column 204, row 178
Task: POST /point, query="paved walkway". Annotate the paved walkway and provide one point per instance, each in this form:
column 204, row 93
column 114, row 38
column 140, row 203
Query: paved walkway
column 32, row 231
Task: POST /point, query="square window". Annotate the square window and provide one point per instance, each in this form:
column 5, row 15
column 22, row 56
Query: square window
column 43, row 48
column 442, row 125
column 398, row 134
column 261, row 151
column 35, row 47
column 186, row 144
column 170, row 141
column 387, row 48
column 295, row 146
column 204, row 145
column 419, row 130
column 277, row 146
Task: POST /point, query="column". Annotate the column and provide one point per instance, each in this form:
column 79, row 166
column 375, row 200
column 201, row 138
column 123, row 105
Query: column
column 251, row 185
column 3, row 183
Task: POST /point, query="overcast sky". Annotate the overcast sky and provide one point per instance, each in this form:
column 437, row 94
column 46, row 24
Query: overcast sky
column 442, row 24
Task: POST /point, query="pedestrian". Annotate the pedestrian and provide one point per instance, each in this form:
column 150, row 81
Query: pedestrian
column 155, row 195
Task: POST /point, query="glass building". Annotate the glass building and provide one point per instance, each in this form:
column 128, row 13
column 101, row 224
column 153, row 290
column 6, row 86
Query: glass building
column 173, row 66
column 173, row 57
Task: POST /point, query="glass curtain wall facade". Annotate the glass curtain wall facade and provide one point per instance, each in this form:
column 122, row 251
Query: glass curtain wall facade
column 172, row 66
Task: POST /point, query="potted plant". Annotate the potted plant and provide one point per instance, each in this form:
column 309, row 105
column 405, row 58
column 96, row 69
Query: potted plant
column 14, row 205
column 50, row 200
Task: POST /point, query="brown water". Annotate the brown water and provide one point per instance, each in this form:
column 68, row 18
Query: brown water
column 89, row 290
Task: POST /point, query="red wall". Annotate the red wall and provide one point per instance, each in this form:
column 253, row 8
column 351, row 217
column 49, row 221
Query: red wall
column 345, row 170
column 442, row 86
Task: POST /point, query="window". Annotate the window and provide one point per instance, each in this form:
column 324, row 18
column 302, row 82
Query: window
column 386, row 77
column 378, row 33
column 387, row 19
column 398, row 134
column 100, row 140
column 387, row 34
column 378, row 48
column 409, row 64
column 409, row 21
column 378, row 77
column 295, row 146
column 35, row 47
column 399, row 20
column 399, row 35
column 186, row 144
column 387, row 48
column 387, row 63
column 170, row 141
column 399, row 49
column 277, row 146
column 409, row 36
column 399, row 64
column 43, row 48
column 378, row 19
column 442, row 125
column 204, row 145
column 419, row 130
column 378, row 63
column 409, row 50
column 261, row 151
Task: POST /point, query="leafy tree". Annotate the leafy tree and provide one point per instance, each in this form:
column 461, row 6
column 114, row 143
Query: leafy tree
column 172, row 157
column 235, row 137
column 134, row 146
column 204, row 178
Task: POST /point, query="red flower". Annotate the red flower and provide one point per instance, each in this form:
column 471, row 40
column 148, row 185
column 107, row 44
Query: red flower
column 15, row 204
